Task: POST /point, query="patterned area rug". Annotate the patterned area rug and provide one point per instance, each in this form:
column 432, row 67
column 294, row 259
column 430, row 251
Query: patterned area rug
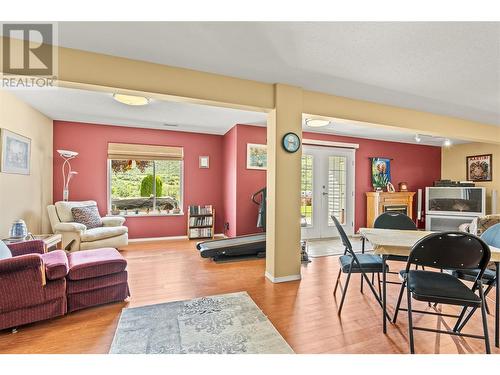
column 222, row 324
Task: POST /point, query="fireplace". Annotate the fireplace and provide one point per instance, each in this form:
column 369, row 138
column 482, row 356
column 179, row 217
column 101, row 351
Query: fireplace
column 378, row 202
column 402, row 209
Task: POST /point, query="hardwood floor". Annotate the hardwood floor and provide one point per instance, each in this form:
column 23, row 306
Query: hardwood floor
column 304, row 312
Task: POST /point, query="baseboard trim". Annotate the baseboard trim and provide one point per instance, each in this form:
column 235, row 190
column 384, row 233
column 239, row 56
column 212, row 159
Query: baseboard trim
column 282, row 279
column 171, row 238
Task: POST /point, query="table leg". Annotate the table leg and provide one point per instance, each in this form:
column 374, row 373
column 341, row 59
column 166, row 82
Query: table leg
column 497, row 303
column 363, row 245
column 384, row 294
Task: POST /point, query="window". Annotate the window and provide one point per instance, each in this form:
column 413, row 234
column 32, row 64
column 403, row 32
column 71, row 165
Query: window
column 306, row 193
column 140, row 184
column 337, row 180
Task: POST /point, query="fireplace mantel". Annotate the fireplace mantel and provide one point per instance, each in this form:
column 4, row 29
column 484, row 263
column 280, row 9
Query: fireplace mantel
column 378, row 202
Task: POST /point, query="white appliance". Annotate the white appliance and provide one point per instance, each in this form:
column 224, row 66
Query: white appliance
column 447, row 208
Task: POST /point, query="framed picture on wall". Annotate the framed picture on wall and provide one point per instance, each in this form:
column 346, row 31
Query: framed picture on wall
column 479, row 167
column 381, row 172
column 204, row 162
column 15, row 153
column 256, row 156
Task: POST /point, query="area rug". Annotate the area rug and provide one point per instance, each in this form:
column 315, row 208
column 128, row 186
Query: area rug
column 222, row 324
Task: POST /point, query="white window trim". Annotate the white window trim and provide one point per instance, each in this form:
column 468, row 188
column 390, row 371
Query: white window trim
column 108, row 195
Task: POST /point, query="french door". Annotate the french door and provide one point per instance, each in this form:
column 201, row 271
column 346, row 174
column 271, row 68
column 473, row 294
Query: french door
column 327, row 189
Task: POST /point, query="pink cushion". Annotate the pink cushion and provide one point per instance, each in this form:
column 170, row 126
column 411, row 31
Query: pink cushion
column 94, row 263
column 56, row 264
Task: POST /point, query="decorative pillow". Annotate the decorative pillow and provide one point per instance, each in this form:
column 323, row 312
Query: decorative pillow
column 4, row 251
column 87, row 215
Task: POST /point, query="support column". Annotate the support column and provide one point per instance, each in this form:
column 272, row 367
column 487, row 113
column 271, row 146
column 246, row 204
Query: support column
column 283, row 187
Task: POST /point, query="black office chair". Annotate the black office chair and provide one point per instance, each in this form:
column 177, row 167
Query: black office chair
column 351, row 263
column 448, row 250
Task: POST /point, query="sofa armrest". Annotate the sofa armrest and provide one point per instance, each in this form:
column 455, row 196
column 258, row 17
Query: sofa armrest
column 27, row 247
column 20, row 263
column 112, row 221
column 56, row 264
column 70, row 227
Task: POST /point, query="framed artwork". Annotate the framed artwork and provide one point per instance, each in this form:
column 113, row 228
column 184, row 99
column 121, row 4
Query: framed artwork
column 256, row 156
column 204, row 162
column 381, row 172
column 479, row 167
column 15, row 153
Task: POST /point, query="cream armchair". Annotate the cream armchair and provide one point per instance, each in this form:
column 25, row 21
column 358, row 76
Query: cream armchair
column 76, row 236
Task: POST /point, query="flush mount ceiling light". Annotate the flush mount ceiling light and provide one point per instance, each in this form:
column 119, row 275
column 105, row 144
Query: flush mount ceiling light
column 316, row 123
column 131, row 99
column 446, row 143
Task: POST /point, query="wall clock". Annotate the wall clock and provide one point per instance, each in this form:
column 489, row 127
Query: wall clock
column 291, row 142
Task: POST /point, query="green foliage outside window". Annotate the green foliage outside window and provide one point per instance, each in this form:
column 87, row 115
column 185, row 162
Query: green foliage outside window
column 147, row 186
column 133, row 179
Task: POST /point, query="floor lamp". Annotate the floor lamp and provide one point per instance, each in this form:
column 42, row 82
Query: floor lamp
column 67, row 173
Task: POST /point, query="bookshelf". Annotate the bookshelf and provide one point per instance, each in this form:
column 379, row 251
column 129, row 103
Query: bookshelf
column 201, row 222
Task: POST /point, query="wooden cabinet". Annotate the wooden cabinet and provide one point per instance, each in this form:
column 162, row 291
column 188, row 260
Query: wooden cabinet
column 378, row 202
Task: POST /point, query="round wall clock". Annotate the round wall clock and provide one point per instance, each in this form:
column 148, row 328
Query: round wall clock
column 291, row 142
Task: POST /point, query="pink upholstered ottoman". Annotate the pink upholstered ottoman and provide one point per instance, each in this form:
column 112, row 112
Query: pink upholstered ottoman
column 96, row 277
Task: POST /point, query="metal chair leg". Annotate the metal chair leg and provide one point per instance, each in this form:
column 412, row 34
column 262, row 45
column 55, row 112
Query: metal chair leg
column 337, row 283
column 361, row 290
column 379, row 285
column 344, row 293
column 485, row 321
column 398, row 304
column 410, row 322
column 459, row 320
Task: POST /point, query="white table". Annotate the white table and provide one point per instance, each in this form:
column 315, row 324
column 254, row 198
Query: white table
column 400, row 242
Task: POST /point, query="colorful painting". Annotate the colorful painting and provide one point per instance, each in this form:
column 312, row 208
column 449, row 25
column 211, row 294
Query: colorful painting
column 479, row 167
column 256, row 156
column 381, row 172
column 15, row 153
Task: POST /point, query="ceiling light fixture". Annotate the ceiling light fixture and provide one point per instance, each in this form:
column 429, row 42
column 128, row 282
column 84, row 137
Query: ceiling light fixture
column 418, row 139
column 131, row 99
column 446, row 143
column 316, row 123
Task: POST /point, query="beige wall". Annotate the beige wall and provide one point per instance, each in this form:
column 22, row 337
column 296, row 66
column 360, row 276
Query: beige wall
column 22, row 196
column 453, row 166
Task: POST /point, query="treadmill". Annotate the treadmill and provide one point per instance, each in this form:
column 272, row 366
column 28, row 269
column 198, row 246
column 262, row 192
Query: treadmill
column 253, row 244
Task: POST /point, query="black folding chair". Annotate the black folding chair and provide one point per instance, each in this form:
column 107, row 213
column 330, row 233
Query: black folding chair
column 394, row 220
column 448, row 250
column 351, row 263
column 492, row 238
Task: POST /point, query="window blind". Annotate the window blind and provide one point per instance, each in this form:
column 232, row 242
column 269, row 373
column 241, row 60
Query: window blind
column 128, row 151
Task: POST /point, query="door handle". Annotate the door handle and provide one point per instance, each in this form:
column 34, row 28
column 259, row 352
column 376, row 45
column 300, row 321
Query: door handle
column 325, row 193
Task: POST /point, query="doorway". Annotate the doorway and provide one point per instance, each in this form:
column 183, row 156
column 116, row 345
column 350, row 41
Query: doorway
column 327, row 188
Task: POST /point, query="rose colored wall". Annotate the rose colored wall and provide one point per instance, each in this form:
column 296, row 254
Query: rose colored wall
column 249, row 180
column 229, row 182
column 418, row 165
column 239, row 182
column 201, row 186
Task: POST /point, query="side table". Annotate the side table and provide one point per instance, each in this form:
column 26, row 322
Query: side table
column 50, row 241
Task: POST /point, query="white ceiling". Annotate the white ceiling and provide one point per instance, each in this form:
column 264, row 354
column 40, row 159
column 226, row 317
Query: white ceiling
column 100, row 108
column 450, row 68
